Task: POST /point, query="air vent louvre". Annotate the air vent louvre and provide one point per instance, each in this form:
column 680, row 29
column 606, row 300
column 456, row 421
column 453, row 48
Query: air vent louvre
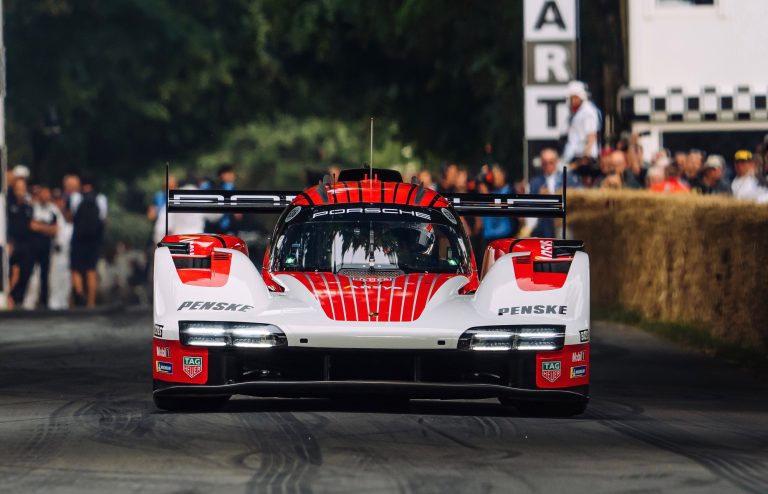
column 221, row 256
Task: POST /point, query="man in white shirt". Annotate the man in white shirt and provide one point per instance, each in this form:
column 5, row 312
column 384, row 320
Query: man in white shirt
column 747, row 185
column 583, row 127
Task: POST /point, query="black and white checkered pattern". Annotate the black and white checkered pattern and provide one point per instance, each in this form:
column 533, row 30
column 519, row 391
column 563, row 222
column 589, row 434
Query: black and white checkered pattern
column 709, row 104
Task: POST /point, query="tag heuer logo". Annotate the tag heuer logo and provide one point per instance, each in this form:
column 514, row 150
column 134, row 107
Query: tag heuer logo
column 550, row 370
column 192, row 366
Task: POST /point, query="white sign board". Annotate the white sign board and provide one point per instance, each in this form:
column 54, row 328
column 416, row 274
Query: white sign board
column 550, row 63
column 546, row 112
column 550, row 20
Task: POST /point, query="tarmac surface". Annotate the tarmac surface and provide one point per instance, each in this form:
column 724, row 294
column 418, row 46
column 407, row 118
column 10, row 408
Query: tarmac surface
column 76, row 415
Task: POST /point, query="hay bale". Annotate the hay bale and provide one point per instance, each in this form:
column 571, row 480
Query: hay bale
column 683, row 258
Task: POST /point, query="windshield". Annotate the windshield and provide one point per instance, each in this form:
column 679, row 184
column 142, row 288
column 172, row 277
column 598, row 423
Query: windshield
column 371, row 246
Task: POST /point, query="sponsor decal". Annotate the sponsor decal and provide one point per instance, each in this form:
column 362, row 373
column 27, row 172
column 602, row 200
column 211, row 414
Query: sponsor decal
column 192, row 366
column 163, row 351
column 584, row 335
column 578, row 356
column 579, row 371
column 546, row 249
column 292, row 214
column 202, row 305
column 158, row 331
column 393, row 211
column 164, row 367
column 534, row 309
column 448, row 215
column 551, row 370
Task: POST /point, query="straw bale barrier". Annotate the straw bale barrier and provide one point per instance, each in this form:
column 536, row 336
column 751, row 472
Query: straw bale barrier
column 682, row 258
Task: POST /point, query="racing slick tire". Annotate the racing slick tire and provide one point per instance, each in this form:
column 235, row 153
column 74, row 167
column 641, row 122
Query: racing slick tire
column 190, row 404
column 548, row 409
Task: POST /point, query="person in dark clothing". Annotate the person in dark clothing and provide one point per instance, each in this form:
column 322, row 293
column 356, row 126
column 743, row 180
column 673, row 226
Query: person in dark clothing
column 711, row 180
column 89, row 214
column 228, row 223
column 45, row 227
column 19, row 240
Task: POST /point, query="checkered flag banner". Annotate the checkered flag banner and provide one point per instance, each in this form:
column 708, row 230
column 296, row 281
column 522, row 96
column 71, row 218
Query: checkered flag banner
column 707, row 104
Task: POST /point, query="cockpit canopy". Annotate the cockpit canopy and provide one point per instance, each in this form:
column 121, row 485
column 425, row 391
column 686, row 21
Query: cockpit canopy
column 369, row 239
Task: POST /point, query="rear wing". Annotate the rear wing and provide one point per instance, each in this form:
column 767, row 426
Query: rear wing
column 228, row 201
column 239, row 201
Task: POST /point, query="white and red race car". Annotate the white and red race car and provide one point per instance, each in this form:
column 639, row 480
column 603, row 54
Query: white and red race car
column 369, row 287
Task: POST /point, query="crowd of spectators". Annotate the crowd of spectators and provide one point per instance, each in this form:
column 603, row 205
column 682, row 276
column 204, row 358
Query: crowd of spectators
column 691, row 171
column 59, row 231
column 616, row 167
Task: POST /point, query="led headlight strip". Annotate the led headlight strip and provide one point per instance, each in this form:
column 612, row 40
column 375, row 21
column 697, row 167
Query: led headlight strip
column 507, row 338
column 230, row 334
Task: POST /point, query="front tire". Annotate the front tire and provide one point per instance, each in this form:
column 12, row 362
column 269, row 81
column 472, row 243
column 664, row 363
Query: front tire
column 190, row 404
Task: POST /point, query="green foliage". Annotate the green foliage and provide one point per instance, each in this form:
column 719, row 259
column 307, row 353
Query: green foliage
column 133, row 81
column 137, row 82
column 278, row 153
column 127, row 227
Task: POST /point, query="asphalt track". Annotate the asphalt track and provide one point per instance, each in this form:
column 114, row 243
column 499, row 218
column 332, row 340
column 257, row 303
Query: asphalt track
column 76, row 416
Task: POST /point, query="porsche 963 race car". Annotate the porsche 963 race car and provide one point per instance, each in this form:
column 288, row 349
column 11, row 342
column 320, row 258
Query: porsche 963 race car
column 369, row 287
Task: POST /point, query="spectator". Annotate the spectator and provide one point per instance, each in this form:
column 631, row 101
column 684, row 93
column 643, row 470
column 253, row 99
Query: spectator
column 692, row 168
column 498, row 227
column 661, row 158
column 711, row 181
column 680, row 159
column 11, row 174
column 19, row 213
column 226, row 223
column 448, row 178
column 654, row 179
column 472, row 225
column 179, row 224
column 635, row 163
column 425, row 177
column 549, row 182
column 89, row 215
column 748, row 185
column 620, row 177
column 44, row 228
column 584, row 126
column 672, row 182
column 60, row 279
column 158, row 199
column 71, row 187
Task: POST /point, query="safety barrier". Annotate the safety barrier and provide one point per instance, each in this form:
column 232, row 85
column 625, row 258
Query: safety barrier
column 682, row 258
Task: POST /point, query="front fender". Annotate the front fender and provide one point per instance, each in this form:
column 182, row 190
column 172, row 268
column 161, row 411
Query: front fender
column 500, row 297
column 243, row 294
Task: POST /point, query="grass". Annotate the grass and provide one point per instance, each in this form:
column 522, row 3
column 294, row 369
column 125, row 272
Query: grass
column 695, row 336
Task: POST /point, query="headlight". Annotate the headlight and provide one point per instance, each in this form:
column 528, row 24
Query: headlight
column 506, row 338
column 230, row 334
